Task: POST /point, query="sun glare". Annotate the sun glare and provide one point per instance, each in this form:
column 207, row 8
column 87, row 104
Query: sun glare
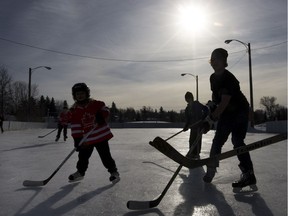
column 191, row 19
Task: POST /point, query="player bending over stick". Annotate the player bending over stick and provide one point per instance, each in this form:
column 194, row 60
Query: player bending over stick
column 232, row 113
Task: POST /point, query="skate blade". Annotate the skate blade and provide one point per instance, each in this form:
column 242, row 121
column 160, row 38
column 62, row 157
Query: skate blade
column 76, row 180
column 247, row 189
column 115, row 180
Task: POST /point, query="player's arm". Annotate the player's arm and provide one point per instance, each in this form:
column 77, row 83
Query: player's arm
column 225, row 99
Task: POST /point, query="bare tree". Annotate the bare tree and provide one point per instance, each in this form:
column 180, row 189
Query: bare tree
column 20, row 94
column 269, row 103
column 34, row 91
column 5, row 81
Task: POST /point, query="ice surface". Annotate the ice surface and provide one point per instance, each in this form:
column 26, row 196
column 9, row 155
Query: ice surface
column 144, row 174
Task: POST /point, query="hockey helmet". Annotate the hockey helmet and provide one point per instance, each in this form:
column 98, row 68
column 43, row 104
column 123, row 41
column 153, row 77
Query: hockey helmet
column 80, row 87
column 220, row 53
column 188, row 96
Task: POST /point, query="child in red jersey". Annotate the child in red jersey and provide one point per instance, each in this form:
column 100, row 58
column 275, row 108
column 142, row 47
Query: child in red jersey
column 85, row 114
column 63, row 122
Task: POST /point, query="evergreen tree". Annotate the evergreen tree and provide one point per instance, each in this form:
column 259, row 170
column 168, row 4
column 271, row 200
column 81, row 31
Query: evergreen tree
column 114, row 112
column 52, row 108
column 65, row 104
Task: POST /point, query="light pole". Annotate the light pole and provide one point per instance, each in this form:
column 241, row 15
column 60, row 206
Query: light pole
column 248, row 48
column 196, row 77
column 29, row 86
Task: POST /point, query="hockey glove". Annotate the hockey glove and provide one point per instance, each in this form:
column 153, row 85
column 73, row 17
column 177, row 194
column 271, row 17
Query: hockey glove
column 186, row 127
column 99, row 118
column 76, row 143
column 208, row 124
column 211, row 106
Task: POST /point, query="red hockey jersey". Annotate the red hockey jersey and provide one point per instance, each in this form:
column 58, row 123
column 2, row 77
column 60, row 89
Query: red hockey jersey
column 83, row 119
column 64, row 118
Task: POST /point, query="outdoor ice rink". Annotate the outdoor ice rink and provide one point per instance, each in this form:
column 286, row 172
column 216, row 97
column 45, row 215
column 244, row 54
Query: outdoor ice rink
column 144, row 174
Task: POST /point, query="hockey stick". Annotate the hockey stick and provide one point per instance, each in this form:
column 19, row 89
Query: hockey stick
column 176, row 156
column 174, row 135
column 31, row 183
column 47, row 133
column 140, row 205
column 191, row 126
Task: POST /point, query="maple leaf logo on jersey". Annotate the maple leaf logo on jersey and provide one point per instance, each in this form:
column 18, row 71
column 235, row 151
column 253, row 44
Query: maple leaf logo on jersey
column 88, row 120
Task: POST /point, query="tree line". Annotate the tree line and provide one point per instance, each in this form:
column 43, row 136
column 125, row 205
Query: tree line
column 14, row 102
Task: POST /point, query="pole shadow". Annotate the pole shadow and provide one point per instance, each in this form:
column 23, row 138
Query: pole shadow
column 37, row 191
column 32, row 146
column 46, row 207
column 158, row 165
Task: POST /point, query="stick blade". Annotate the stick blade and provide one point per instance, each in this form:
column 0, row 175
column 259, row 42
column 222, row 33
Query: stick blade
column 29, row 183
column 138, row 205
column 41, row 136
column 166, row 149
column 142, row 205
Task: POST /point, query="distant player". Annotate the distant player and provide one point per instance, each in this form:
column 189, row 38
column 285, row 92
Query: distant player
column 85, row 113
column 63, row 121
column 232, row 113
column 194, row 112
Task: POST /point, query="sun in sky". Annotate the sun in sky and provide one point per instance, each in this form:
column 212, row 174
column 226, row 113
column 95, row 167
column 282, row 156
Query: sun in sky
column 191, row 19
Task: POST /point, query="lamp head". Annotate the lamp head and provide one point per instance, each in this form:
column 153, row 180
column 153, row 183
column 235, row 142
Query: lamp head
column 227, row 41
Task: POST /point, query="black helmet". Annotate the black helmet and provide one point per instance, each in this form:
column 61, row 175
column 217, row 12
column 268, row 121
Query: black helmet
column 189, row 95
column 80, row 87
column 222, row 54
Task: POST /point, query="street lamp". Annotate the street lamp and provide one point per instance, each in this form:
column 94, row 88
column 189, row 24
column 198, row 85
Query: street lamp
column 248, row 48
column 29, row 86
column 196, row 77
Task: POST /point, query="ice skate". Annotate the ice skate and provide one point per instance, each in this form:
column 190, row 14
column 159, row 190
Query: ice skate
column 57, row 138
column 65, row 138
column 211, row 171
column 246, row 183
column 115, row 177
column 77, row 176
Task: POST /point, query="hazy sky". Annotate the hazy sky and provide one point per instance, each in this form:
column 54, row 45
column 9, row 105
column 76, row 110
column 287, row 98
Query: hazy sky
column 133, row 52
